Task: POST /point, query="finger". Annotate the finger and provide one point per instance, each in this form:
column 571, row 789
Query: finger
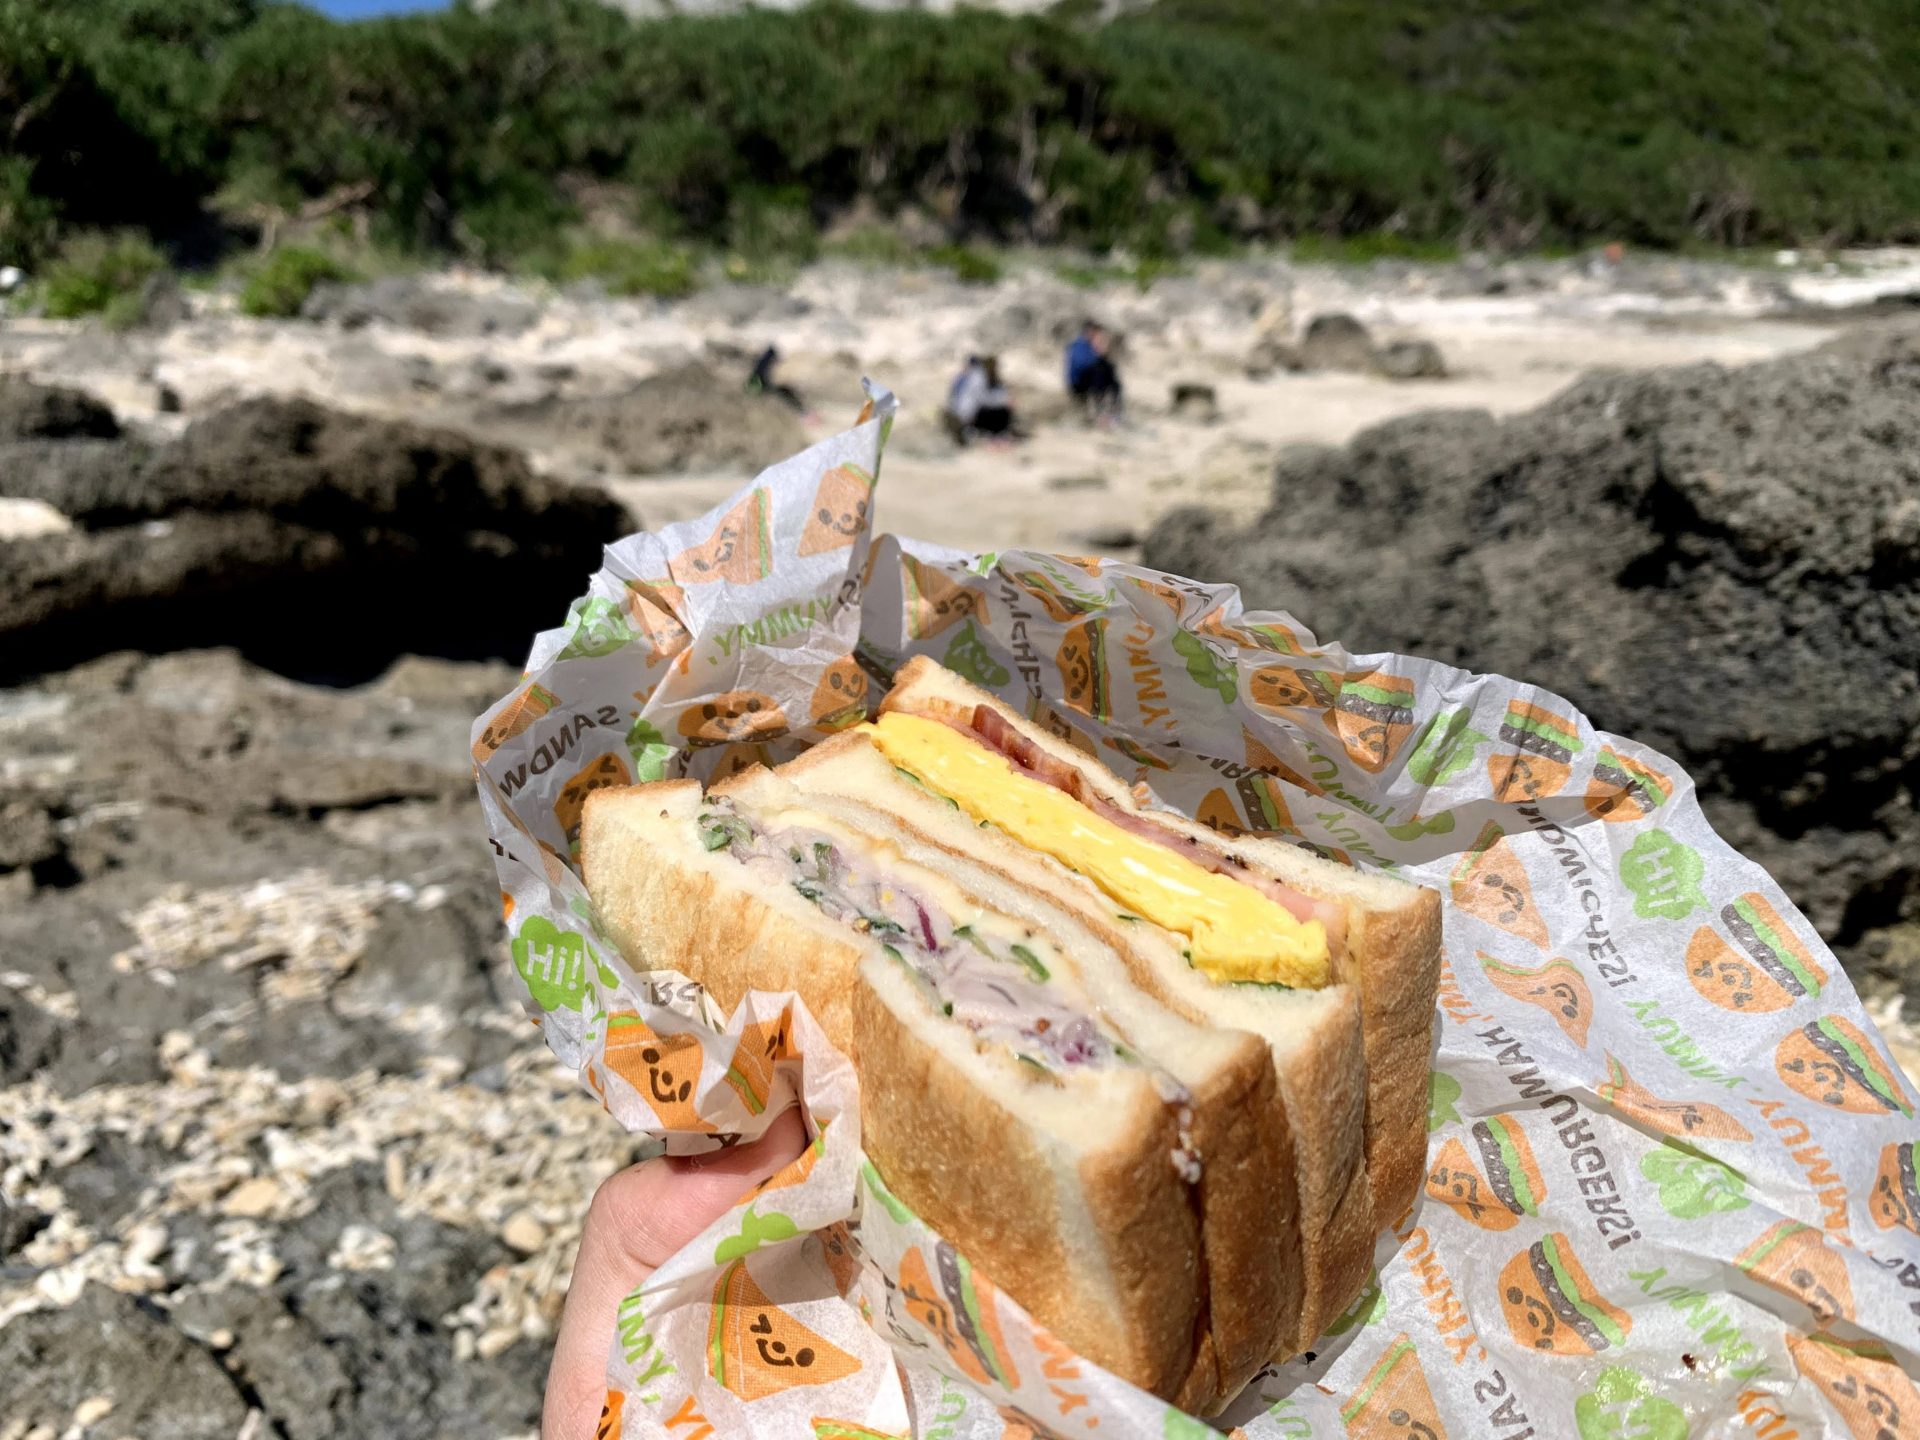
column 637, row 1219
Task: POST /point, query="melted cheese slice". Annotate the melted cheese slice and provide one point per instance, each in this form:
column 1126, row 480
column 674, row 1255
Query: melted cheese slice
column 1233, row 932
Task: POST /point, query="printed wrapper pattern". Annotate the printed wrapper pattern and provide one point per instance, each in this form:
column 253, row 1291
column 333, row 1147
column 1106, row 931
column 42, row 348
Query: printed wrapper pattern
column 1671, row 1180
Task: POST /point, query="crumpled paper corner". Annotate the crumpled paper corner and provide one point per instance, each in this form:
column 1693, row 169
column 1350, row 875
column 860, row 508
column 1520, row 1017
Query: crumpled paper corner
column 1671, row 1185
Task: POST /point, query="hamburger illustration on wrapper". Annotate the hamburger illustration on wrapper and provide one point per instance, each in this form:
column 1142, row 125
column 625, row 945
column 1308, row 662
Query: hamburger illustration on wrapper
column 1265, row 805
column 1862, row 1381
column 1551, row 1304
column 738, row 715
column 840, row 509
column 598, row 774
column 512, row 719
column 1284, row 687
column 1057, row 594
column 1765, row 968
column 1557, row 987
column 1687, row 1119
column 1795, row 1260
column 957, row 1309
column 1260, row 757
column 1083, row 669
column 1547, row 745
column 1624, row 789
column 935, row 600
column 1374, row 717
column 1830, row 1061
column 1271, row 636
column 740, row 550
column 840, row 699
column 1896, row 1187
column 1502, row 1186
column 665, row 1069
column 1394, row 1401
column 756, row 1349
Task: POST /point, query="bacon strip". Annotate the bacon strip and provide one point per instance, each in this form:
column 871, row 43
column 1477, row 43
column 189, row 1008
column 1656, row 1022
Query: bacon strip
column 992, row 729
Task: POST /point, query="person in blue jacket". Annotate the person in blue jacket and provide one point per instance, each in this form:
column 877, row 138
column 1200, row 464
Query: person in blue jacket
column 1091, row 377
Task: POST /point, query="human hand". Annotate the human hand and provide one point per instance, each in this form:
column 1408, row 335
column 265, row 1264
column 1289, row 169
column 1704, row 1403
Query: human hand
column 637, row 1219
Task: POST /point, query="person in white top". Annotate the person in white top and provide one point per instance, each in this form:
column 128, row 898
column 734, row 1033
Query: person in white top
column 978, row 403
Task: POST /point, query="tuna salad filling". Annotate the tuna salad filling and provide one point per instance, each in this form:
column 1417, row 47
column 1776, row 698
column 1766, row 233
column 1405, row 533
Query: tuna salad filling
column 995, row 983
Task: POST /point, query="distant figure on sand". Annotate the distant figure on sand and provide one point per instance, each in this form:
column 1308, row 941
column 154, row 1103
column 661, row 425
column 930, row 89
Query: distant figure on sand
column 761, row 382
column 977, row 402
column 1091, row 378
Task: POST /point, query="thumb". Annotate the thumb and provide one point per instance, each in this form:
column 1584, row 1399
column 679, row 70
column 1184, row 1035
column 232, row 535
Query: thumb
column 639, row 1218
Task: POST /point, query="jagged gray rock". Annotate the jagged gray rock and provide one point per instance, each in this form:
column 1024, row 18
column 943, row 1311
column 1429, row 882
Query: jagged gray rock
column 1722, row 563
column 327, row 542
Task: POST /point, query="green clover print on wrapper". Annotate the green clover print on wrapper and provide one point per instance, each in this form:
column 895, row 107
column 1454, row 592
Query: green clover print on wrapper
column 1179, row 1426
column 1691, row 1184
column 596, row 627
column 553, row 963
column 1622, row 1406
column 1441, row 1098
column 1368, row 1306
column 1205, row 668
column 1441, row 824
column 649, row 749
column 967, row 656
column 755, row 1231
column 1445, row 747
column 1664, row 875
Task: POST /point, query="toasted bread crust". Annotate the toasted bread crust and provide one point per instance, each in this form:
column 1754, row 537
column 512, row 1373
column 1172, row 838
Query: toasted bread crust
column 971, row 1170
column 673, row 917
column 1392, row 954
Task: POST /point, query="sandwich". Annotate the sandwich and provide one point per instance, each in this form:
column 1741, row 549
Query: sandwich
column 1287, row 942
column 1120, row 1171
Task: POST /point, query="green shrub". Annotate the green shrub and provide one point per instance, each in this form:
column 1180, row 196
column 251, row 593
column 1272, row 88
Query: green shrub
column 97, row 274
column 974, row 266
column 633, row 267
column 873, row 245
column 1365, row 248
column 1178, row 127
column 279, row 284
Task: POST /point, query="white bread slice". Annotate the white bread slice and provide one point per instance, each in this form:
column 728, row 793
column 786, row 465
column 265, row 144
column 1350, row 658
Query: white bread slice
column 1391, row 955
column 1246, row 1189
column 1066, row 1195
column 1313, row 1037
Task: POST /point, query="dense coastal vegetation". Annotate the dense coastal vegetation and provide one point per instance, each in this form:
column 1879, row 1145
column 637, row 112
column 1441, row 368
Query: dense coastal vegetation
column 559, row 135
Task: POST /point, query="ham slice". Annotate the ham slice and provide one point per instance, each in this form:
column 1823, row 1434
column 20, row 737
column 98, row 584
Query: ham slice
column 993, row 730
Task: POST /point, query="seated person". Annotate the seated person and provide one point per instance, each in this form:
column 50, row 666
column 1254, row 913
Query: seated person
column 1091, row 377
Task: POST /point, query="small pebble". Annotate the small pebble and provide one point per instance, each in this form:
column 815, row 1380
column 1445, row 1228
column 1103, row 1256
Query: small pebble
column 523, row 1233
column 253, row 1199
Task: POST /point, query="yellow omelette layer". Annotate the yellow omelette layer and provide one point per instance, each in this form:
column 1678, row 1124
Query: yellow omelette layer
column 1233, row 932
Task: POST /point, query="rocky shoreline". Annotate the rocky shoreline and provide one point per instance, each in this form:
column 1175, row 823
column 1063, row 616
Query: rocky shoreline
column 282, row 1155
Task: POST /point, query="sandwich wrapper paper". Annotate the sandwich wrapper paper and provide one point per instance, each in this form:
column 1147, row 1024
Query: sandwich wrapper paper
column 1671, row 1185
